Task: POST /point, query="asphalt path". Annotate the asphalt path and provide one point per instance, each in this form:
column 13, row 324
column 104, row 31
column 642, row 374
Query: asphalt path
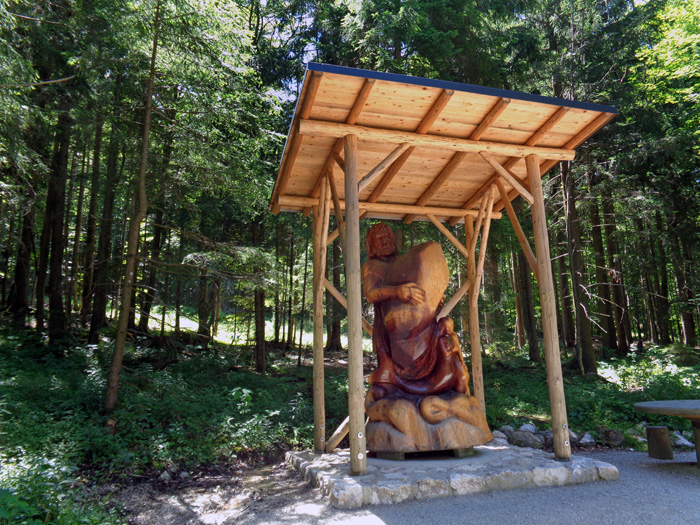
column 648, row 491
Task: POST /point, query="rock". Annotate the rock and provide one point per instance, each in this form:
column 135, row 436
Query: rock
column 634, row 436
column 548, row 436
column 528, row 427
column 184, row 475
column 165, row 477
column 587, row 440
column 499, row 436
column 573, row 438
column 611, row 437
column 507, row 430
column 677, row 440
column 526, row 439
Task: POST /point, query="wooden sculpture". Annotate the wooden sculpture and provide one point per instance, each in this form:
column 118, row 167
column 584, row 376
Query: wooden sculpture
column 418, row 399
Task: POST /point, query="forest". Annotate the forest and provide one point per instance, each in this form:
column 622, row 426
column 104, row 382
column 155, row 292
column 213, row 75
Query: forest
column 139, row 146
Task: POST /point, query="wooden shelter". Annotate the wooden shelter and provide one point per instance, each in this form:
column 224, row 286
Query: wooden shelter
column 386, row 146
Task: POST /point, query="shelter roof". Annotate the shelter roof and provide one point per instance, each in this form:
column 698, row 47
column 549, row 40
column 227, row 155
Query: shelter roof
column 425, row 145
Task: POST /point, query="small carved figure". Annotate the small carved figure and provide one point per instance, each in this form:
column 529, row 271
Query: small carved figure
column 418, row 397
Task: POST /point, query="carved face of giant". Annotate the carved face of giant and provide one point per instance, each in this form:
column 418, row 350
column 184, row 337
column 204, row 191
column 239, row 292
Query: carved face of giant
column 381, row 242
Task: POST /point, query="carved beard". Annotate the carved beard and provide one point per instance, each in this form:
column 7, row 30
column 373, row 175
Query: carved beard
column 386, row 250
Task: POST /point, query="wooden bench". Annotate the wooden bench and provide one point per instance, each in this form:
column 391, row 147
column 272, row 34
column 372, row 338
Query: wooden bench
column 686, row 408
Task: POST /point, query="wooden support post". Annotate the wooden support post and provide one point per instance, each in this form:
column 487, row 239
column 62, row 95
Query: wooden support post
column 337, row 208
column 474, row 333
column 659, row 443
column 353, row 282
column 320, row 233
column 447, row 233
column 519, row 233
column 449, row 306
column 344, row 303
column 557, row 401
column 477, row 367
column 338, row 435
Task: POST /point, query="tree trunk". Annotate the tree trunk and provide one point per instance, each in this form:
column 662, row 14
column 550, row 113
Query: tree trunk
column 290, row 317
column 519, row 324
column 150, row 288
column 618, row 297
column 133, row 238
column 663, row 307
column 568, row 332
column 91, row 226
column 54, row 215
column 685, row 295
column 66, row 223
column 584, row 338
column 75, row 257
column 607, row 321
column 278, row 272
column 104, row 245
column 260, row 350
column 19, row 303
column 178, row 284
column 303, row 302
column 334, row 307
column 42, row 266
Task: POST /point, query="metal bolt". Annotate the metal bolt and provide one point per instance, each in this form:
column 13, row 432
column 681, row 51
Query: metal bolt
column 360, row 435
column 566, row 443
column 565, row 426
column 360, row 455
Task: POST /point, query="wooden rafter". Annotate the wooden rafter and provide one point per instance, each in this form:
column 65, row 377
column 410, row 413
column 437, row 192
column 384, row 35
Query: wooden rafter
column 455, row 299
column 336, row 206
column 379, row 168
column 422, row 128
column 295, row 139
column 447, row 233
column 531, row 142
column 451, row 165
column 335, row 233
column 351, row 119
column 488, row 121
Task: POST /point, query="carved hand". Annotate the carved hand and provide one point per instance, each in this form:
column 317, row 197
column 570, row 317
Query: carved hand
column 410, row 293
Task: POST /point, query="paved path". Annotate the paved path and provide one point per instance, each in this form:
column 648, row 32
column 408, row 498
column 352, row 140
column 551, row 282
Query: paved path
column 649, row 491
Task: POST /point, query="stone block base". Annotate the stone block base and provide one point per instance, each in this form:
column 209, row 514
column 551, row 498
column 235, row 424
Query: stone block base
column 496, row 466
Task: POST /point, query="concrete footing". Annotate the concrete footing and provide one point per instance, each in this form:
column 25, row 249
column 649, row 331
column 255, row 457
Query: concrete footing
column 495, row 466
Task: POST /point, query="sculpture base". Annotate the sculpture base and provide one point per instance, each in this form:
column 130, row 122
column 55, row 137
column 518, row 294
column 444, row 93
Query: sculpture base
column 399, row 425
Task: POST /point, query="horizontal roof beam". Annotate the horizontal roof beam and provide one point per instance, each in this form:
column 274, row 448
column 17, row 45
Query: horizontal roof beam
column 289, row 201
column 385, row 136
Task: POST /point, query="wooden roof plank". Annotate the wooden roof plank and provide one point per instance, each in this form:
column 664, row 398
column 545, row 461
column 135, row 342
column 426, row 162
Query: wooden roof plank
column 352, row 117
column 496, row 110
column 304, row 112
column 424, row 126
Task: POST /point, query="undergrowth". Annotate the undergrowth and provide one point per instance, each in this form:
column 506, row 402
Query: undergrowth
column 187, row 412
column 192, row 409
column 516, row 390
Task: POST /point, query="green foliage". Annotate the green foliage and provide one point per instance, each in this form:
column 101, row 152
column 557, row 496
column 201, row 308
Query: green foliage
column 516, row 391
column 199, row 410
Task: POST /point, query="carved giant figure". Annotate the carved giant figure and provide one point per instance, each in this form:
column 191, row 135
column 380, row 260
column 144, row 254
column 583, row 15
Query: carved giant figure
column 418, row 398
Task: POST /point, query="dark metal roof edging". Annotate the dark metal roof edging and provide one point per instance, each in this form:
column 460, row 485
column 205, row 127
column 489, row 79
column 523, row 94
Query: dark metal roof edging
column 458, row 86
